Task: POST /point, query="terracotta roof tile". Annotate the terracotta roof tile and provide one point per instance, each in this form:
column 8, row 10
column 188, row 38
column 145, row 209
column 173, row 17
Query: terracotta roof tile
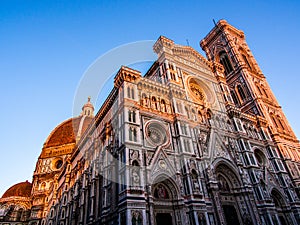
column 22, row 189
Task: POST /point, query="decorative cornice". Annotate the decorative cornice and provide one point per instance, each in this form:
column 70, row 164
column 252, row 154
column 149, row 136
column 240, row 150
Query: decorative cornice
column 126, row 74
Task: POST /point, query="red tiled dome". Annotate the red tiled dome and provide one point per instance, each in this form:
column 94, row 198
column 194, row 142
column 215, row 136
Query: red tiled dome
column 22, row 189
column 66, row 132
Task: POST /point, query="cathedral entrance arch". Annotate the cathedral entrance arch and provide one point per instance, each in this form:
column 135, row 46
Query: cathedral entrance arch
column 165, row 202
column 280, row 206
column 232, row 208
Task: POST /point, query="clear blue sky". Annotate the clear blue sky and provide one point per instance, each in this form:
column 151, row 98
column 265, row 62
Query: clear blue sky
column 45, row 47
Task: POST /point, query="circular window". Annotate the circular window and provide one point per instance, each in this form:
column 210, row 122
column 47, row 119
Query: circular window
column 156, row 134
column 260, row 157
column 199, row 91
column 58, row 164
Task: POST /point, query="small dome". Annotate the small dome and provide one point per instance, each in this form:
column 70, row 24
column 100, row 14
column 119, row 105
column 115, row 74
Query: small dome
column 22, row 189
column 68, row 131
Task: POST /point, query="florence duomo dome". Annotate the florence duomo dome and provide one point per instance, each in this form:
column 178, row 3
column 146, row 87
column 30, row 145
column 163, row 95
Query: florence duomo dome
column 17, row 201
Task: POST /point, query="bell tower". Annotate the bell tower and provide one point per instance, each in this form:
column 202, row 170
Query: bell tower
column 250, row 90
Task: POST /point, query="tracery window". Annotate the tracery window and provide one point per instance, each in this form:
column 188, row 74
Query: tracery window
column 224, row 60
column 43, row 186
column 281, row 123
column 131, row 116
column 132, row 134
column 130, row 92
column 241, row 92
column 184, row 128
column 154, row 103
column 265, row 92
column 186, row 145
column 187, row 112
column 259, row 90
column 163, row 106
column 234, row 98
column 194, row 117
column 274, row 119
column 246, row 61
column 173, row 77
column 179, row 107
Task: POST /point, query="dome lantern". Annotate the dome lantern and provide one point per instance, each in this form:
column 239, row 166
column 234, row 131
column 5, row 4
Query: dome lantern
column 88, row 108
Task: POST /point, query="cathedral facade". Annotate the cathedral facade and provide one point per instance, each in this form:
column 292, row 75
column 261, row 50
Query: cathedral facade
column 194, row 141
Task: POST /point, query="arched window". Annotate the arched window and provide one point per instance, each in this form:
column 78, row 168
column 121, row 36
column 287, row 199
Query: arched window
column 265, row 92
column 179, row 107
column 145, row 100
column 281, row 123
column 132, row 134
column 246, row 61
column 51, row 213
column 131, row 116
column 187, row 112
column 260, row 157
column 274, row 120
column 224, row 60
column 163, row 106
column 130, row 92
column 234, row 97
column 172, row 76
column 229, row 125
column 259, row 90
column 194, row 117
column 135, row 163
column 43, row 186
column 19, row 214
column 241, row 92
column 217, row 120
column 154, row 103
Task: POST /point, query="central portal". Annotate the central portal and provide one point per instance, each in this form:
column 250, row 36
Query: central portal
column 163, row 219
column 164, row 203
column 231, row 215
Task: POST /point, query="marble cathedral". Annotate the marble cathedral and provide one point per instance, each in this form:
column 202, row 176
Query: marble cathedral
column 194, row 141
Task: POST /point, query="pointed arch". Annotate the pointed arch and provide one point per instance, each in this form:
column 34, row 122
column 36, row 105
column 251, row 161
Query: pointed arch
column 278, row 199
column 245, row 58
column 224, row 60
column 241, row 92
column 165, row 181
column 228, row 170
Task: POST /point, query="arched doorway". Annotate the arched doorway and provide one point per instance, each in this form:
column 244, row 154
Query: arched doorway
column 165, row 202
column 280, row 206
column 232, row 203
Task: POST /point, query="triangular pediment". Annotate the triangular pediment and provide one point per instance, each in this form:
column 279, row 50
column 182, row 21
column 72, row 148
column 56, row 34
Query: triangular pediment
column 161, row 164
column 189, row 54
column 218, row 148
